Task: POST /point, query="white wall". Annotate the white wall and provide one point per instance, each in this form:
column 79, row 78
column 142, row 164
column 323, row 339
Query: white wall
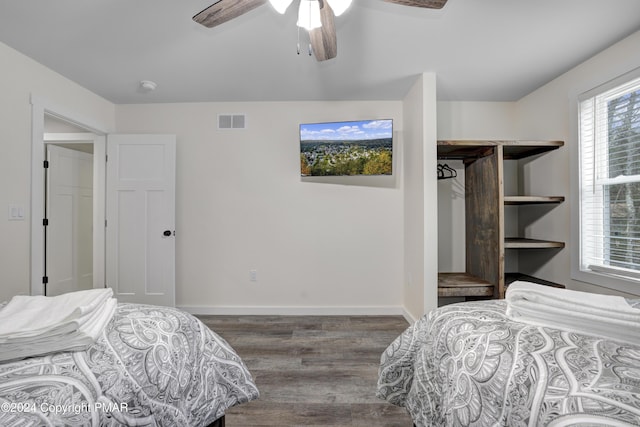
column 430, row 162
column 241, row 206
column 22, row 77
column 476, row 120
column 416, row 279
column 420, row 213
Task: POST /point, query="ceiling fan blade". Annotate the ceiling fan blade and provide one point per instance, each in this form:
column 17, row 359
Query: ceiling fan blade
column 431, row 4
column 225, row 10
column 323, row 40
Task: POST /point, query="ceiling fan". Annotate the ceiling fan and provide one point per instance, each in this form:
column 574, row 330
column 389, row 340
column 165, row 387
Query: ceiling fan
column 317, row 16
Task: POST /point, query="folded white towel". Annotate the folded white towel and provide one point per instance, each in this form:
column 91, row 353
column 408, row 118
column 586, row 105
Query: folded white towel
column 80, row 339
column 31, row 316
column 38, row 325
column 592, row 314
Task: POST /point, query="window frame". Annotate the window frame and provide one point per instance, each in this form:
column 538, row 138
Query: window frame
column 598, row 276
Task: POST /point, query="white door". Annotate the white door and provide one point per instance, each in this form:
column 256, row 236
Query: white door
column 140, row 253
column 69, row 243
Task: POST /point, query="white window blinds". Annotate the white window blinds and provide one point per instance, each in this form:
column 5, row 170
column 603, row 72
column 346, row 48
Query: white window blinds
column 610, row 181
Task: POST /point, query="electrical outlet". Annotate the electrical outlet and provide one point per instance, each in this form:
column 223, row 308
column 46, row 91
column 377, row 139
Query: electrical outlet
column 253, row 275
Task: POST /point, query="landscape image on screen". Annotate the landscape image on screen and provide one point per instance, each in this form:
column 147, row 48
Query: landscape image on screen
column 362, row 147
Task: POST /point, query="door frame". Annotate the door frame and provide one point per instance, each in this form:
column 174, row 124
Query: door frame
column 40, row 108
column 99, row 195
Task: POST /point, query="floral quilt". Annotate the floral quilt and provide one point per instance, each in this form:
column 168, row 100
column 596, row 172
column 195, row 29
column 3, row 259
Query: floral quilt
column 468, row 365
column 152, row 366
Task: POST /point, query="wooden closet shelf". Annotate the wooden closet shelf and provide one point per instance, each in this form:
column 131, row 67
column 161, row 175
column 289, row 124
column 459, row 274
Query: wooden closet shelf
column 463, row 285
column 532, row 200
column 484, row 213
column 520, row 243
column 462, row 152
column 469, row 149
column 521, row 149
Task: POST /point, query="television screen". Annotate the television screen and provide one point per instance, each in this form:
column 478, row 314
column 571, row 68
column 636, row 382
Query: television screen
column 363, row 147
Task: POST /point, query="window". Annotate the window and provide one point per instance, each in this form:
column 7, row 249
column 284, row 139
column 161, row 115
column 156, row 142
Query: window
column 609, row 120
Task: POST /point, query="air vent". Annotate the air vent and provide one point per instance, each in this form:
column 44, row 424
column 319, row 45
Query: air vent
column 232, row 121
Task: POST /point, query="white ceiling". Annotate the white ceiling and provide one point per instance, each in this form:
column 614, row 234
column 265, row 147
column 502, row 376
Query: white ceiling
column 481, row 50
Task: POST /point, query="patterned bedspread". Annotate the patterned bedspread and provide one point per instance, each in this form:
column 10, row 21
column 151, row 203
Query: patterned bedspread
column 468, row 365
column 152, row 366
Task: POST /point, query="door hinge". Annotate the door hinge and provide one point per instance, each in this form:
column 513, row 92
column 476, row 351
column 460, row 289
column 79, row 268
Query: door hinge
column 46, row 164
column 45, row 279
column 45, row 222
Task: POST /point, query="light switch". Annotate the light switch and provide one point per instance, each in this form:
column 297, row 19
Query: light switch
column 16, row 213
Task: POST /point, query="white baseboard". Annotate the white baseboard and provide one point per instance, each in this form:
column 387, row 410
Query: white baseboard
column 408, row 317
column 297, row 311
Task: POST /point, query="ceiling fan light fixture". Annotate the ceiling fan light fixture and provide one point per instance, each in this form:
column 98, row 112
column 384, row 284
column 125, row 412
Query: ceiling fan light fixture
column 280, row 5
column 309, row 15
column 339, row 6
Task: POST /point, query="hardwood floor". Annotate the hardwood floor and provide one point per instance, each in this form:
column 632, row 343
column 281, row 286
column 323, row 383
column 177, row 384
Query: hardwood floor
column 312, row 370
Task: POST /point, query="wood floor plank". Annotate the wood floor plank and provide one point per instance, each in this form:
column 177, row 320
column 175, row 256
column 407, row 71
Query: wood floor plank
column 312, row 370
column 263, row 412
column 379, row 415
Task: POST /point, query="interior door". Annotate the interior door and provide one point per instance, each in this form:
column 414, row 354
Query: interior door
column 69, row 242
column 140, row 243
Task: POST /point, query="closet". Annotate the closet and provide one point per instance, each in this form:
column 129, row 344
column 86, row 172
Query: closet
column 485, row 240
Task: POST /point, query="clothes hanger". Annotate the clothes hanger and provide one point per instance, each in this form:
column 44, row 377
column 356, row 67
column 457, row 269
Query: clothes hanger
column 452, row 172
column 446, row 172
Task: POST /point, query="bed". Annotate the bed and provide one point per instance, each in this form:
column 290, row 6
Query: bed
column 469, row 364
column 151, row 366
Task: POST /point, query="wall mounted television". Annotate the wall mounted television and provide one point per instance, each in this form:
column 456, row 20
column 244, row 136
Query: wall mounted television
column 362, row 147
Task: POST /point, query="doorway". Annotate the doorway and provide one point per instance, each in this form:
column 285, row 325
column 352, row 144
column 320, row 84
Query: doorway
column 74, row 191
column 68, row 233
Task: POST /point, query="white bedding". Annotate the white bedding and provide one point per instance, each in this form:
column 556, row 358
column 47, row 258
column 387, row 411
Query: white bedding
column 28, row 316
column 38, row 325
column 602, row 315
